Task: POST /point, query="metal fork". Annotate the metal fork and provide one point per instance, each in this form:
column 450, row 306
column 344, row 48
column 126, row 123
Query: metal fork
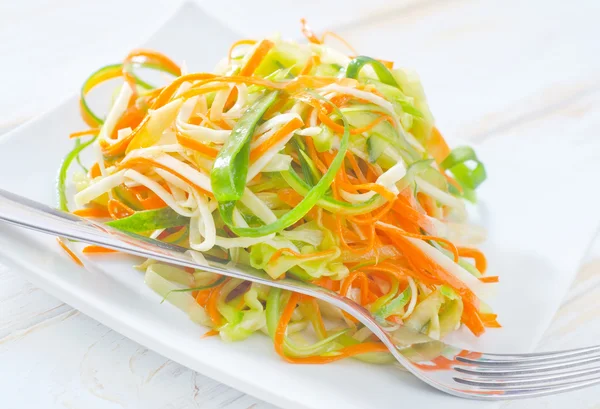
column 459, row 372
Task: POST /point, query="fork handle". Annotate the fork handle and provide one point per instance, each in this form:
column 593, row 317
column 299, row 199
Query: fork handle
column 24, row 212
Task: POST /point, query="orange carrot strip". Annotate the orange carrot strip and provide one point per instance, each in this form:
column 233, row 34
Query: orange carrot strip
column 346, row 352
column 298, row 83
column 355, row 167
column 308, row 33
column 388, row 64
column 289, row 197
column 364, row 285
column 312, row 61
column 472, row 320
column 149, row 162
column 211, row 305
column 312, row 152
column 142, row 55
column 153, row 201
column 447, row 242
column 340, row 39
column 478, row 256
column 97, row 250
column 437, row 146
column 277, row 137
column 119, row 210
column 489, row 279
column 420, row 261
column 236, row 44
column 490, row 320
column 79, row 134
column 259, row 54
column 375, row 187
column 197, row 146
column 324, row 117
column 95, row 171
column 210, row 333
column 96, row 212
column 70, row 252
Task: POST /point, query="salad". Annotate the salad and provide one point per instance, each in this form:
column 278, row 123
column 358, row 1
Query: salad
column 299, row 160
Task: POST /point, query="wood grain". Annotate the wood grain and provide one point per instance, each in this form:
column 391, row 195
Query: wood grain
column 491, row 68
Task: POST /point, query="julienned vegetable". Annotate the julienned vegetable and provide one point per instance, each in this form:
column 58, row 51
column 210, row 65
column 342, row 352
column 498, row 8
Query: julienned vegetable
column 300, row 161
column 150, row 220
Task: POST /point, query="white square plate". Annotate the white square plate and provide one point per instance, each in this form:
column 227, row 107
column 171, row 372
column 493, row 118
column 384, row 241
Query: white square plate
column 536, row 239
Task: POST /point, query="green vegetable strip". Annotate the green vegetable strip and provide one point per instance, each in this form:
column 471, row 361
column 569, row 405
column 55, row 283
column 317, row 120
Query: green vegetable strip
column 381, row 70
column 329, row 203
column 307, row 170
column 384, row 299
column 229, row 172
column 455, row 163
column 109, row 72
column 129, row 69
column 64, row 168
column 308, row 202
column 273, row 310
column 78, row 159
column 395, row 305
column 149, row 220
column 201, row 288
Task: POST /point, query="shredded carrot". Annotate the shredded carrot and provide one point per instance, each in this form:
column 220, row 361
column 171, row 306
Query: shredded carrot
column 140, row 56
column 375, row 187
column 197, row 90
column 95, row 212
column 388, row 64
column 289, row 197
column 328, row 283
column 153, row 201
column 97, row 250
column 427, row 203
column 364, row 285
column 197, row 146
column 489, row 279
column 210, row 333
column 323, row 112
column 259, row 54
column 130, row 119
column 79, row 134
column 312, row 61
column 443, row 240
column 95, row 171
column 419, row 261
column 437, row 146
column 340, row 39
column 149, row 162
column 472, row 320
column 478, row 256
column 231, row 100
column 69, row 251
column 291, row 86
column 308, row 33
column 236, row 44
column 211, row 305
column 312, row 153
column 118, row 209
column 355, row 167
column 286, row 316
column 490, row 320
column 277, row 137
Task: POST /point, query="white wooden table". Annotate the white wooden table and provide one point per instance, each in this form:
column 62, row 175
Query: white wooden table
column 545, row 60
